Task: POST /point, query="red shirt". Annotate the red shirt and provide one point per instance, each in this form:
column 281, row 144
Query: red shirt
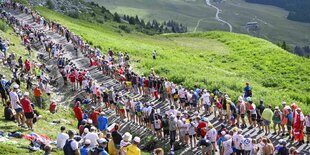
column 202, row 125
column 146, row 83
column 78, row 112
column 52, row 107
column 80, row 77
column 26, row 104
column 72, row 77
column 27, row 65
column 94, row 116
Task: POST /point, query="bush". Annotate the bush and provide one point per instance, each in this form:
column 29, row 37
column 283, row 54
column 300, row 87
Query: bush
column 3, row 26
column 50, row 4
column 125, row 28
column 73, row 14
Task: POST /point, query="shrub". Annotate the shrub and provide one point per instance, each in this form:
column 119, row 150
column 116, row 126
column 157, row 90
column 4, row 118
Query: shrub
column 50, row 4
column 3, row 26
column 73, row 14
column 125, row 28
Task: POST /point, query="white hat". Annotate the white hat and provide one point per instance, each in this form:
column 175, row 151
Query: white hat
column 102, row 140
column 196, row 112
column 26, row 94
column 223, row 133
column 127, row 136
column 137, row 139
column 87, row 141
column 86, row 130
column 240, row 98
column 89, row 121
column 16, row 86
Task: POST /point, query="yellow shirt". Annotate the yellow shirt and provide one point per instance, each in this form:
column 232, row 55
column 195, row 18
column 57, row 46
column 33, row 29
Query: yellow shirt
column 132, row 150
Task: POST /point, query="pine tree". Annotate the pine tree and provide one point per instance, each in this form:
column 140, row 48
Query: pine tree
column 117, row 18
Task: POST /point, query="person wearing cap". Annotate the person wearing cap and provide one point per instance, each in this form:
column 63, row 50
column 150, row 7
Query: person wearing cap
column 283, row 150
column 94, row 113
column 101, row 148
column 84, row 150
column 284, row 117
column 227, row 147
column 92, row 136
column 211, row 135
column 252, row 109
column 206, row 102
column 3, row 91
column 172, row 129
column 62, row 137
column 277, row 114
column 267, row 118
column 15, row 102
column 298, row 127
column 133, row 148
column 202, row 125
column 71, row 146
column 237, row 141
column 102, row 122
column 259, row 110
column 125, row 142
column 28, row 111
column 191, row 130
column 78, row 113
column 220, row 140
column 37, row 95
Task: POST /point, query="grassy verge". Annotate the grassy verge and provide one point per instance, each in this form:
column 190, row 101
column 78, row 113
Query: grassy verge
column 211, row 60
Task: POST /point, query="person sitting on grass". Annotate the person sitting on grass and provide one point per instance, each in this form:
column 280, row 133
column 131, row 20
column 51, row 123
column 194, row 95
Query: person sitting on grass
column 8, row 112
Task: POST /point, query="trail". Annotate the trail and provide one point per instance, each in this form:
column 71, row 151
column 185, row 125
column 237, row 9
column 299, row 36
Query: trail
column 217, row 17
column 198, row 22
column 82, row 62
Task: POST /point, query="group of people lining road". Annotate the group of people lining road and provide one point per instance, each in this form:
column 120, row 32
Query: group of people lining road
column 185, row 123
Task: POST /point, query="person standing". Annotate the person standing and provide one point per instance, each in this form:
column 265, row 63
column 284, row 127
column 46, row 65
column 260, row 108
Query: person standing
column 62, row 137
column 154, row 55
column 247, row 90
column 172, row 129
column 78, row 113
column 71, row 146
column 237, row 141
column 28, row 111
column 298, row 127
column 102, row 122
column 277, row 114
column 267, row 118
column 37, row 95
column 19, row 116
column 247, row 145
column 307, row 123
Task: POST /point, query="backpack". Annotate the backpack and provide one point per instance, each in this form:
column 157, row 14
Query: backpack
column 67, row 148
column 138, row 107
column 249, row 92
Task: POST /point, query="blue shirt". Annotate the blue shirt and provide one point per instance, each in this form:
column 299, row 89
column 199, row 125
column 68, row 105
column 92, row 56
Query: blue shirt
column 102, row 123
column 104, row 152
column 84, row 151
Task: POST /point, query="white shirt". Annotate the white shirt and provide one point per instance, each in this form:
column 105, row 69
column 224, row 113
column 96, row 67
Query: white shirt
column 61, row 140
column 14, row 99
column 74, row 145
column 307, row 122
column 206, row 98
column 237, row 139
column 211, row 134
column 182, row 93
column 93, row 137
column 247, row 144
column 191, row 128
column 228, row 147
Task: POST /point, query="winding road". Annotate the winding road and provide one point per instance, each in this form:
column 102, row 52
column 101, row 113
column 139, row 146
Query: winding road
column 218, row 11
column 217, row 17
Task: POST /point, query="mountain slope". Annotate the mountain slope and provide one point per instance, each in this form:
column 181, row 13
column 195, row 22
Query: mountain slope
column 211, row 60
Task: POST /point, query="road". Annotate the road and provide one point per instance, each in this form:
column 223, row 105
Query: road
column 217, row 17
column 195, row 29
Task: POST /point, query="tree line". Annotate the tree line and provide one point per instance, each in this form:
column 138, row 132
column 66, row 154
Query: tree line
column 298, row 9
column 169, row 26
column 298, row 50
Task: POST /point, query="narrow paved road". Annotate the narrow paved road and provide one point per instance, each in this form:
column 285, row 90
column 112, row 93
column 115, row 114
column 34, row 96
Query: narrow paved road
column 217, row 17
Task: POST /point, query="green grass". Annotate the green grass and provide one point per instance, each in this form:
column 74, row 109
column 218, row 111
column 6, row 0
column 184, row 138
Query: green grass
column 210, row 60
column 272, row 20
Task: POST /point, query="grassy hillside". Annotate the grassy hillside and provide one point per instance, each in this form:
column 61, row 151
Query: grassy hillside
column 272, row 20
column 211, row 60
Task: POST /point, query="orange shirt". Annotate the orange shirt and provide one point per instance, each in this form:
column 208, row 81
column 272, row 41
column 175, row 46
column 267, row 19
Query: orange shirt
column 37, row 92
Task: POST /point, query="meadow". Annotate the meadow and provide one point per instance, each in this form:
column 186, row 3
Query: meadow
column 212, row 60
column 272, row 20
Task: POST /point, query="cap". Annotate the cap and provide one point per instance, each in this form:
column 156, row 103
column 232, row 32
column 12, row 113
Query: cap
column 89, row 121
column 127, row 136
column 136, row 139
column 210, row 126
column 16, row 86
column 298, row 109
column 26, row 94
column 87, row 141
column 223, row 133
column 102, row 141
column 283, row 103
column 276, row 107
column 102, row 113
column 86, row 130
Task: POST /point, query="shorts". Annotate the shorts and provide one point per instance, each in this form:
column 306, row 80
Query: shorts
column 308, row 130
column 192, row 136
column 157, row 129
column 253, row 117
column 29, row 115
column 206, row 106
column 242, row 115
column 18, row 110
column 4, row 96
column 266, row 122
column 182, row 100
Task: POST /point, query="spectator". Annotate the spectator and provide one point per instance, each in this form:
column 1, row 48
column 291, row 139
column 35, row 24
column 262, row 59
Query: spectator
column 92, row 136
column 78, row 113
column 19, row 116
column 102, row 122
column 117, row 138
column 86, row 147
column 71, row 146
column 247, row 90
column 62, row 137
column 159, row 151
column 53, row 107
column 133, row 148
column 8, row 112
column 47, row 150
column 276, row 120
column 267, row 118
column 172, row 129
column 247, row 145
column 307, row 123
column 28, row 111
column 37, row 95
